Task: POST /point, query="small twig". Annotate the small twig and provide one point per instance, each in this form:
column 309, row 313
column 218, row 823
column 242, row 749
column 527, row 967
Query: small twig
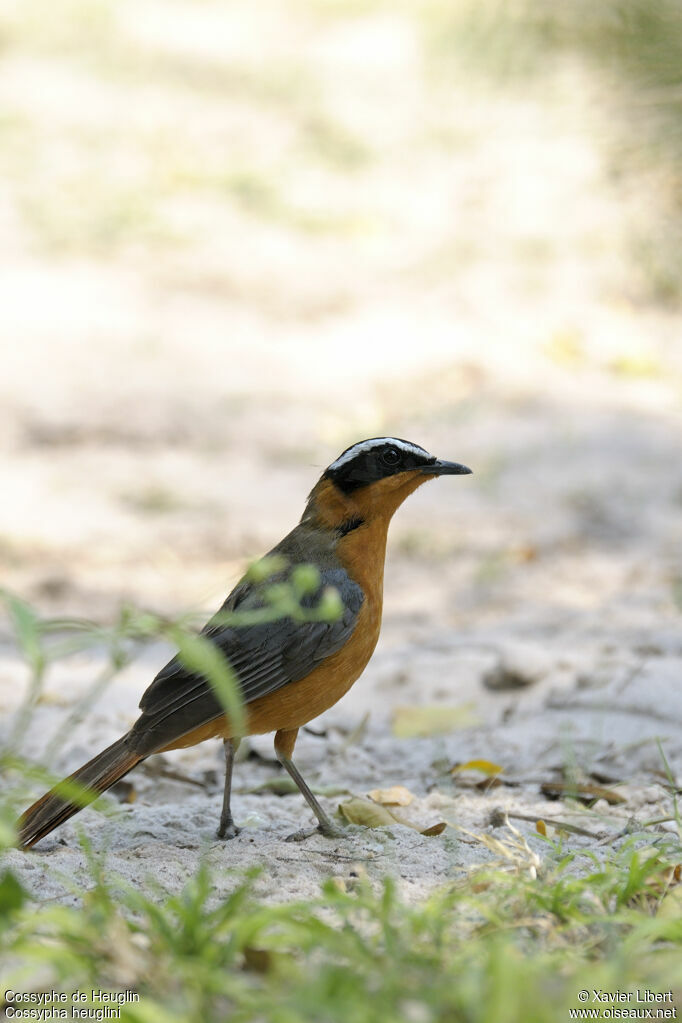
column 168, row 772
column 554, row 821
column 557, row 703
column 339, row 857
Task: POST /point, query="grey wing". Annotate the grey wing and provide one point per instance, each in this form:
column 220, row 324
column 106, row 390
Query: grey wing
column 264, row 658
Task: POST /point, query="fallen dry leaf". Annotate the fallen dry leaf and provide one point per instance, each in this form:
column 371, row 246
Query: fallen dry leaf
column 666, row 878
column 661, row 886
column 585, row 793
column 412, row 722
column 525, row 552
column 373, row 815
column 484, row 766
column 435, row 829
column 397, row 795
column 363, row 811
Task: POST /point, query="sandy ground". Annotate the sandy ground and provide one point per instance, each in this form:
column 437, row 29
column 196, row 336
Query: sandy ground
column 171, row 392
column 544, row 616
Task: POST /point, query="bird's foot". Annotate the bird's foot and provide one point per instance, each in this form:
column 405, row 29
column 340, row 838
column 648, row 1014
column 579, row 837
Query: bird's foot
column 227, row 830
column 329, row 830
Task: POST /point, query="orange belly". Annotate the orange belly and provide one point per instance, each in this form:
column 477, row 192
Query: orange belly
column 299, row 702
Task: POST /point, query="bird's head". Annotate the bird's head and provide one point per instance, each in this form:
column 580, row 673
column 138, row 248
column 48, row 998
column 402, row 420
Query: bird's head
column 372, row 478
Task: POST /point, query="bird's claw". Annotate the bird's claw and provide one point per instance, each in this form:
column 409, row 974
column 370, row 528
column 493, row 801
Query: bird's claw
column 329, row 831
column 227, row 831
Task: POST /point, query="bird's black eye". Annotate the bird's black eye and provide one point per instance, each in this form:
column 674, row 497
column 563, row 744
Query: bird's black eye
column 391, row 456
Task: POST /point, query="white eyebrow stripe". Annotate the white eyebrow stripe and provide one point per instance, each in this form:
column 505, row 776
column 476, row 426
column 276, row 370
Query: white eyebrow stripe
column 376, row 442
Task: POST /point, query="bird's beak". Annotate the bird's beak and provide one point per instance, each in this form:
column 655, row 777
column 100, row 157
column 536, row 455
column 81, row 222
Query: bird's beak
column 442, row 468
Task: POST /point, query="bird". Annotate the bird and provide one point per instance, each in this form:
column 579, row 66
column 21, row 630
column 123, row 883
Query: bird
column 288, row 671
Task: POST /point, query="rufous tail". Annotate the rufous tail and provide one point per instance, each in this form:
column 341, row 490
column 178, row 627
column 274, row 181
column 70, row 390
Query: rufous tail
column 92, row 778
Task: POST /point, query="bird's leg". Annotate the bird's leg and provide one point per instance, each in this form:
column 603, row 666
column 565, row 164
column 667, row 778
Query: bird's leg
column 285, row 741
column 227, row 827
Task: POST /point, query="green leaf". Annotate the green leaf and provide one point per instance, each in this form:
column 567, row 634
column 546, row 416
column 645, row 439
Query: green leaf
column 201, row 656
column 305, row 579
column 265, row 568
column 8, row 831
column 28, row 629
column 330, row 607
column 12, row 895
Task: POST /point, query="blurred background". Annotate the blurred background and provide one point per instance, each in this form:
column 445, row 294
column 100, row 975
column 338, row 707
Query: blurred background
column 237, row 237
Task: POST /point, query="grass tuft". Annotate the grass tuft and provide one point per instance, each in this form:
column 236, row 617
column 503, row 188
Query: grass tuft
column 516, row 940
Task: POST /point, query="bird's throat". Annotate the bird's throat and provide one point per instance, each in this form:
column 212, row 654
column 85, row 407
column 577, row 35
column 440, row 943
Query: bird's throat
column 329, row 508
